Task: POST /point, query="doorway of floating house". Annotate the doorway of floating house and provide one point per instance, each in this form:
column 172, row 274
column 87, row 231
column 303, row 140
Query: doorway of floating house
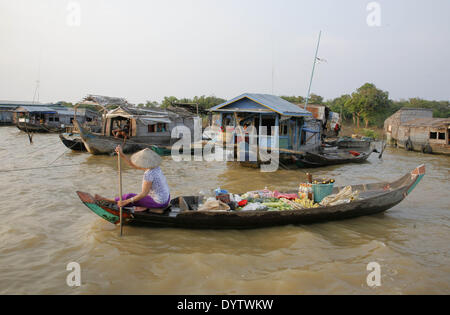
column 265, row 135
column 118, row 123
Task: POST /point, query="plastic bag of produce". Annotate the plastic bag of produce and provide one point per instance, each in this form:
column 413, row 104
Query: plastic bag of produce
column 214, row 205
column 346, row 195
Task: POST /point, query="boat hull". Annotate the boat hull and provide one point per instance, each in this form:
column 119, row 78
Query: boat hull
column 27, row 127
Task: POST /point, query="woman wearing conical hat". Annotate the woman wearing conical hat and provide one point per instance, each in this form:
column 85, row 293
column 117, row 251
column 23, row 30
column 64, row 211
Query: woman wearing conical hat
column 155, row 192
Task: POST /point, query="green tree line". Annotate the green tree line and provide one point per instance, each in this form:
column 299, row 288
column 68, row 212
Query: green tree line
column 202, row 101
column 369, row 105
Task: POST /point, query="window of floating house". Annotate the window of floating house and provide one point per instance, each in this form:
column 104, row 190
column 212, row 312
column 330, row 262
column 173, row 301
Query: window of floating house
column 50, row 118
column 160, row 127
column 441, row 135
column 433, row 135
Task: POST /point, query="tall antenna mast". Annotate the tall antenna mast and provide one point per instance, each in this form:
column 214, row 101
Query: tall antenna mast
column 273, row 74
column 273, row 68
column 36, row 90
column 312, row 73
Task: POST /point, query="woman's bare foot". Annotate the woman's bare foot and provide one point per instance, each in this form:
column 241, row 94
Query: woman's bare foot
column 157, row 211
column 98, row 197
column 140, row 209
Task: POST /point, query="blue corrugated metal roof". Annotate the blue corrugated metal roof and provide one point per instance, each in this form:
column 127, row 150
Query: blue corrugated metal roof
column 67, row 111
column 36, row 109
column 26, row 103
column 274, row 103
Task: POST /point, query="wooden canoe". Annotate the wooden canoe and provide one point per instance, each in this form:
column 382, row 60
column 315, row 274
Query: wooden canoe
column 374, row 198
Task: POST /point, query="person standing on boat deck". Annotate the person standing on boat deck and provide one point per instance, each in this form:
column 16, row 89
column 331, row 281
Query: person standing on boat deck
column 155, row 192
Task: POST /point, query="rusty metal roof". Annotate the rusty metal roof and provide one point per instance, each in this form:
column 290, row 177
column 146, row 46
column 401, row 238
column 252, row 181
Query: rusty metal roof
column 427, row 122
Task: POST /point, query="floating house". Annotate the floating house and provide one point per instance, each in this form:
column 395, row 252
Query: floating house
column 297, row 128
column 51, row 117
column 143, row 124
column 135, row 129
column 7, row 110
column 7, row 113
column 416, row 129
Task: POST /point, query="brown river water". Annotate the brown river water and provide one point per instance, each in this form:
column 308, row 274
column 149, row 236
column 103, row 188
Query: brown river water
column 44, row 227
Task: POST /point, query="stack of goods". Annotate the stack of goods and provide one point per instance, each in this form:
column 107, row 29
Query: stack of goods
column 310, row 195
column 266, row 200
column 222, row 195
column 346, row 195
column 305, row 191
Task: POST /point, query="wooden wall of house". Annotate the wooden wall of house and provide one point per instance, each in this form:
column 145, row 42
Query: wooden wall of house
column 180, row 121
column 392, row 124
column 420, row 136
column 142, row 130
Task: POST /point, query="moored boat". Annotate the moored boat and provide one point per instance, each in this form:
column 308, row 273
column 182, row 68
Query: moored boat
column 98, row 144
column 312, row 159
column 373, row 198
column 39, row 128
column 348, row 143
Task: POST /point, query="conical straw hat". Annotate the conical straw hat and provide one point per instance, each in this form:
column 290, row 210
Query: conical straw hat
column 146, row 159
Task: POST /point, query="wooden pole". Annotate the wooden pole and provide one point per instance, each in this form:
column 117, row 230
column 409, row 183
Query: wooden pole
column 119, row 164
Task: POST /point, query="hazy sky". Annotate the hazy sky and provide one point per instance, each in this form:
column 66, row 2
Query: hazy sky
column 145, row 50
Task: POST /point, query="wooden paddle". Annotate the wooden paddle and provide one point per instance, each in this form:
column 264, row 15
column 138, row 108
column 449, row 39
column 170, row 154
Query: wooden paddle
column 119, row 164
column 383, row 147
